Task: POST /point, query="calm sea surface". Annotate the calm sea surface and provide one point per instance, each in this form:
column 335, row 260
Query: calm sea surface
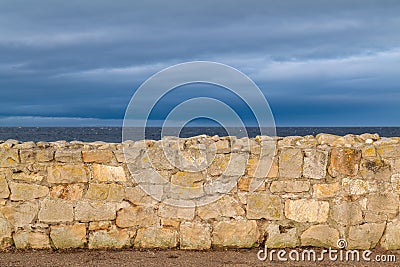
column 114, row 134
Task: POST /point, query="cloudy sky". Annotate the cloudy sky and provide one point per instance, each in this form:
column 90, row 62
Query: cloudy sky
column 318, row 62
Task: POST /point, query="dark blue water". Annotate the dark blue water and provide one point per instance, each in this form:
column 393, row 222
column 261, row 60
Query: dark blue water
column 114, row 134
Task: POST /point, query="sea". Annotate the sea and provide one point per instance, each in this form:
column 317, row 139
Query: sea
column 114, row 134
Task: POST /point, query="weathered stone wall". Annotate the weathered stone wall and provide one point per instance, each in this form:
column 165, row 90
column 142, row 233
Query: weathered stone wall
column 319, row 189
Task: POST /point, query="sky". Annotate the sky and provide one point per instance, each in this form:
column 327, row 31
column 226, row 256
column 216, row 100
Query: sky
column 317, row 62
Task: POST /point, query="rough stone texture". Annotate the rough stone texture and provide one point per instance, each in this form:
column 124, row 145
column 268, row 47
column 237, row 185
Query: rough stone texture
column 8, row 157
column 136, row 216
column 365, row 236
column 389, row 151
column 20, row 214
column 391, row 238
column 289, row 186
column 156, row 238
column 137, row 196
column 5, row 234
column 32, row 177
column 172, row 212
column 112, row 239
column 98, row 156
column 291, row 163
column 4, row 190
column 103, row 173
column 56, row 210
column 68, row 236
column 226, row 206
column 281, row 237
column 69, row 173
column 307, row 210
column 67, row 191
column 68, row 156
column 326, row 190
column 261, row 205
column 51, row 193
column 315, row 162
column 320, row 236
column 344, row 162
column 346, row 213
column 375, row 169
column 383, row 203
column 235, row 234
column 108, row 192
column 195, row 236
column 86, row 211
column 32, row 156
column 35, row 240
column 23, row 191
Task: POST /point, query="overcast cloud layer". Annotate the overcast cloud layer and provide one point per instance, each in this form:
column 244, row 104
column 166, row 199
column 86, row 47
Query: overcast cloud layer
column 318, row 62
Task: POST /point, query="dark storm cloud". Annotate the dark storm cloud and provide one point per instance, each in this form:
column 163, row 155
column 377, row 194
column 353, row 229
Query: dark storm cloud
column 318, row 62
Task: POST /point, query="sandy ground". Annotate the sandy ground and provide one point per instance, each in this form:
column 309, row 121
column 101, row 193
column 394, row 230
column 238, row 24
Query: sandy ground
column 165, row 258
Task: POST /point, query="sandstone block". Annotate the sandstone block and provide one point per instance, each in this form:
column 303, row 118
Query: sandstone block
column 258, row 168
column 161, row 238
column 365, row 236
column 223, row 146
column 5, row 234
column 136, row 216
column 32, row 177
column 20, row 215
column 172, row 212
column 383, row 203
column 375, row 169
column 218, row 165
column 235, row 234
column 8, row 157
column 281, row 237
column 56, row 210
column 391, row 238
column 187, row 185
column 344, row 162
column 315, row 163
column 86, row 211
column 98, row 156
column 358, row 186
column 109, row 239
column 307, row 210
column 4, row 190
column 23, row 191
column 237, row 165
column 101, row 225
column 27, row 239
column 320, row 236
column 327, row 139
column 389, row 151
column 68, row 236
column 37, row 155
column 368, row 152
column 68, row 156
column 291, row 163
column 326, row 190
column 69, row 173
column 251, row 184
column 290, row 186
column 137, row 196
column 195, row 236
column 103, row 173
column 226, row 206
column 261, row 205
column 108, row 192
column 67, row 191
column 346, row 213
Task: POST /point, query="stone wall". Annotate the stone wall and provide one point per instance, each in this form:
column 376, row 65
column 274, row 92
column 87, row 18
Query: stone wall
column 319, row 189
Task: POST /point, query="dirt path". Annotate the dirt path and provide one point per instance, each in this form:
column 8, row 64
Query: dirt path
column 164, row 258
